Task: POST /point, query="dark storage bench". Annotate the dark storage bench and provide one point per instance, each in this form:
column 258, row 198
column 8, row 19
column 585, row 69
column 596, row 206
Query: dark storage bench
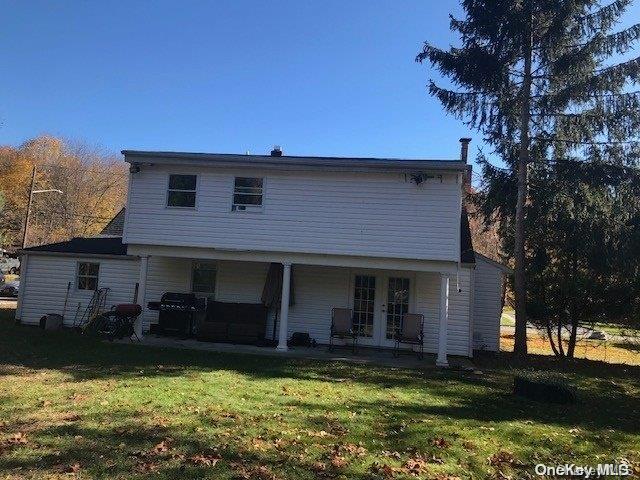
column 244, row 323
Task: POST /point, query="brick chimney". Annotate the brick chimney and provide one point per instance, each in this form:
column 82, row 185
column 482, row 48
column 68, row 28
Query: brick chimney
column 464, row 149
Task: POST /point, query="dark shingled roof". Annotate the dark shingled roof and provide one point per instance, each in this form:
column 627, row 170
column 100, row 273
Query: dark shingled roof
column 466, row 244
column 92, row 246
column 115, row 226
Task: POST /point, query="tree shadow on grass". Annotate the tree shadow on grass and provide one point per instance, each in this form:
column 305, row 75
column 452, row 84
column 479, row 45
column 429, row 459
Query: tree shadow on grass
column 87, row 358
column 121, row 447
column 468, row 396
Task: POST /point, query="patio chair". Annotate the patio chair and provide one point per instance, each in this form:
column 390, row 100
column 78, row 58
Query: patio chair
column 411, row 332
column 342, row 327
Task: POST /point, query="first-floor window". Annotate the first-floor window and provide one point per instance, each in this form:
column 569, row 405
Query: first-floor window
column 88, row 275
column 204, row 277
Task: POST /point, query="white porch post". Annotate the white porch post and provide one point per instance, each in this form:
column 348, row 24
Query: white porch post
column 284, row 307
column 142, row 287
column 441, row 361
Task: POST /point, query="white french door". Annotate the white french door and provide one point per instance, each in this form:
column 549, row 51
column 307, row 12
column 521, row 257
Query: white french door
column 365, row 306
column 397, row 303
column 379, row 300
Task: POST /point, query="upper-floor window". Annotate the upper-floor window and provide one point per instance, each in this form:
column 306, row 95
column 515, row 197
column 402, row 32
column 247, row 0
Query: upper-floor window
column 182, row 191
column 247, row 193
column 87, row 275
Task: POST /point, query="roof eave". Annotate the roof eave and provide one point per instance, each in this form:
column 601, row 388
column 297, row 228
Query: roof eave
column 77, row 254
column 299, row 163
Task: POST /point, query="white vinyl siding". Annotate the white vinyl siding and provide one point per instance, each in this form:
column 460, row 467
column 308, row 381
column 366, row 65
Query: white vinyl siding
column 316, row 290
column 487, row 306
column 428, row 303
column 48, row 276
column 164, row 274
column 363, row 214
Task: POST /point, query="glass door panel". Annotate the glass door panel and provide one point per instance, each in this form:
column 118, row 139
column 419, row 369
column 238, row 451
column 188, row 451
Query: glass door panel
column 364, row 296
column 397, row 303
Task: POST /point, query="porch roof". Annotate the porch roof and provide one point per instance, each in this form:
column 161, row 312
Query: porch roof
column 83, row 245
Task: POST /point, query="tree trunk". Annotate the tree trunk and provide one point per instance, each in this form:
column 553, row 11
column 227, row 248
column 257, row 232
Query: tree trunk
column 573, row 306
column 551, row 342
column 520, row 290
column 560, row 346
column 571, row 348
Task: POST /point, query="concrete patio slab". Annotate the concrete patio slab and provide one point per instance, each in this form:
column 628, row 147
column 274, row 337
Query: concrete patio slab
column 365, row 355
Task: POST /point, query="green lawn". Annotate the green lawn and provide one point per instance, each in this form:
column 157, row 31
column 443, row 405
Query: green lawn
column 73, row 406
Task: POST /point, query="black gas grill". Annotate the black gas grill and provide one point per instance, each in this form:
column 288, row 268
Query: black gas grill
column 177, row 312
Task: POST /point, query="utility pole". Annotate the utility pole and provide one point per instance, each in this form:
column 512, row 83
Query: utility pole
column 26, row 220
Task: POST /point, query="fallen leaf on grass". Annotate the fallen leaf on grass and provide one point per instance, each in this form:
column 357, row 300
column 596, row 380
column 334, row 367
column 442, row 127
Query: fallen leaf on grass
column 259, row 473
column 78, row 397
column 391, row 454
column 318, row 467
column 205, row 460
column 338, row 461
column 415, row 466
column 73, row 468
column 351, row 449
column 146, row 467
column 503, row 457
column 440, row 442
column 162, row 447
column 387, row 471
column 70, row 417
column 16, row 438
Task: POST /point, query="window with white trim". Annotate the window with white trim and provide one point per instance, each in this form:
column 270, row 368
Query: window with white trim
column 182, row 191
column 87, row 275
column 247, row 194
column 203, row 279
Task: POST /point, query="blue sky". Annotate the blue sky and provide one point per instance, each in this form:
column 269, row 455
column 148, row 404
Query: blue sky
column 329, row 77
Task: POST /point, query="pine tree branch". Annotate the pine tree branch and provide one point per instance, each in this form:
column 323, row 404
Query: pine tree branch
column 553, row 139
column 603, row 18
column 607, row 80
column 617, row 42
column 596, row 95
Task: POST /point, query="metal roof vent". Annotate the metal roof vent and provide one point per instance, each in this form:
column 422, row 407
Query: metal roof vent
column 277, row 151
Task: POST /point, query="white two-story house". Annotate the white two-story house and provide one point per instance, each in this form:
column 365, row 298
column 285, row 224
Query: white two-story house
column 382, row 237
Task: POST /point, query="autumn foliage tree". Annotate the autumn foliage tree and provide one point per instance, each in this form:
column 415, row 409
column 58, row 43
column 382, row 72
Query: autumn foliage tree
column 93, row 185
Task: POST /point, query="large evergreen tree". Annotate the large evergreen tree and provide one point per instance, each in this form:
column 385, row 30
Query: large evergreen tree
column 537, row 78
column 583, row 224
